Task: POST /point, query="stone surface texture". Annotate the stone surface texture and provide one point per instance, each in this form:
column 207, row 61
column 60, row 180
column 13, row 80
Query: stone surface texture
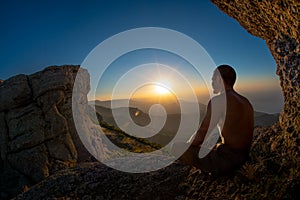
column 37, row 134
column 96, row 181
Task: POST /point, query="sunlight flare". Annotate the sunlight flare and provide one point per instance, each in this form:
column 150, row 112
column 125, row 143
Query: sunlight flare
column 161, row 90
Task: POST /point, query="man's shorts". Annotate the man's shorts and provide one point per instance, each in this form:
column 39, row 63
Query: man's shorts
column 222, row 160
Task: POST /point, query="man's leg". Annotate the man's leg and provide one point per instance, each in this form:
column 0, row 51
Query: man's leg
column 219, row 161
column 191, row 156
column 229, row 160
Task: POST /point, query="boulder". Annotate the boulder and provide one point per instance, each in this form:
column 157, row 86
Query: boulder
column 37, row 131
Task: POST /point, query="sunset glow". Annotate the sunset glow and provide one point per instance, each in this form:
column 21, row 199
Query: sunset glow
column 161, row 90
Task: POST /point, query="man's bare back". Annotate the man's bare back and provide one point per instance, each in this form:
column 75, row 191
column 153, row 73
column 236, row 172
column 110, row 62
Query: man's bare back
column 233, row 114
column 238, row 127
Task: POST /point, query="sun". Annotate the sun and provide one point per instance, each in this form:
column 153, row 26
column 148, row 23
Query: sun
column 161, row 90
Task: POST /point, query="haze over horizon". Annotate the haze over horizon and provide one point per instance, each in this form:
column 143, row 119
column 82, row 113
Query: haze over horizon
column 39, row 34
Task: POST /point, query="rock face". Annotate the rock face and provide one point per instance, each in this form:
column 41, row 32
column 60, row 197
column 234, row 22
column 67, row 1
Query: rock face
column 278, row 23
column 96, row 181
column 37, row 133
column 270, row 173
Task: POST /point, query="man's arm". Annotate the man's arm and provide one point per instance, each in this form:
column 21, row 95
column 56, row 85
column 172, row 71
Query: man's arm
column 210, row 120
column 200, row 135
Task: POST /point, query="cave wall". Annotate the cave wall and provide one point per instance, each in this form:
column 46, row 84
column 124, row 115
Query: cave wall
column 278, row 23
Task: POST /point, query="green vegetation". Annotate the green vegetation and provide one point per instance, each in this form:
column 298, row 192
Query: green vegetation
column 122, row 139
column 126, row 141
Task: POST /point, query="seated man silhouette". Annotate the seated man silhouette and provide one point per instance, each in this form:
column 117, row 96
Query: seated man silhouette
column 235, row 121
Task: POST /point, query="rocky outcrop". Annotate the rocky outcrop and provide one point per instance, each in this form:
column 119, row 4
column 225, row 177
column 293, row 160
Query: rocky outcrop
column 269, row 173
column 278, row 23
column 37, row 134
column 96, row 181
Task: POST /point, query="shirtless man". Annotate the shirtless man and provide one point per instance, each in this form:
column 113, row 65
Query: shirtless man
column 236, row 122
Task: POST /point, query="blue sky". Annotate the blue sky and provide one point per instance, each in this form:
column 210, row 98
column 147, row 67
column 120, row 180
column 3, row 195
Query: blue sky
column 37, row 34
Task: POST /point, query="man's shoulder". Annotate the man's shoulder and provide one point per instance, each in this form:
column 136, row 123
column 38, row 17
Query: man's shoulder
column 219, row 102
column 244, row 99
column 218, row 98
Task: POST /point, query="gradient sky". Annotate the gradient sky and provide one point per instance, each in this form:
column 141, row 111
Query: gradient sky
column 37, row 34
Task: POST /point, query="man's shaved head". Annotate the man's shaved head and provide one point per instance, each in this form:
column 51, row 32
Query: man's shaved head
column 227, row 73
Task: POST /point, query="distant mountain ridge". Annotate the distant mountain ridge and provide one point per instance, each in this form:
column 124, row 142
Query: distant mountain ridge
column 139, row 115
column 260, row 118
column 144, row 105
column 265, row 119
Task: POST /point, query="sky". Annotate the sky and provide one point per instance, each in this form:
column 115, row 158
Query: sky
column 37, row 34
